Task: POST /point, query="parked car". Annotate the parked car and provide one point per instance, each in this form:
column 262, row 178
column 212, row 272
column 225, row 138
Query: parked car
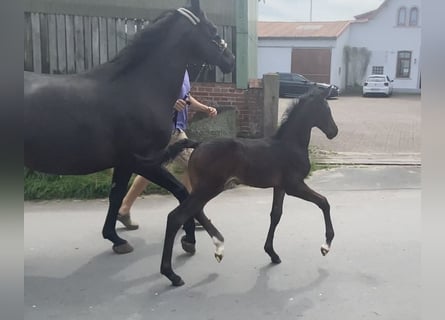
column 294, row 84
column 377, row 84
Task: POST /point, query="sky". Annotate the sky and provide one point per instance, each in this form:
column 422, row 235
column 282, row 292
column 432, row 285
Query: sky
column 322, row 10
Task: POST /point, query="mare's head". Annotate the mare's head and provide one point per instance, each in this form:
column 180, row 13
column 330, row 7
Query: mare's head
column 317, row 112
column 185, row 33
column 203, row 40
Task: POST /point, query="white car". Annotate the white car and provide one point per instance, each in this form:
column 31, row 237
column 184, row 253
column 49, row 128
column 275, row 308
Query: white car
column 377, row 84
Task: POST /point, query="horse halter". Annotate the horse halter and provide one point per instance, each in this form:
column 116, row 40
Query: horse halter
column 189, row 15
column 222, row 45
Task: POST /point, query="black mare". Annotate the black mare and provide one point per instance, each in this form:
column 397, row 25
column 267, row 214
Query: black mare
column 119, row 115
column 280, row 162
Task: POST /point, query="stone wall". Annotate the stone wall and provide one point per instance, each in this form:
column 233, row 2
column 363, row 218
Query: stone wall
column 246, row 105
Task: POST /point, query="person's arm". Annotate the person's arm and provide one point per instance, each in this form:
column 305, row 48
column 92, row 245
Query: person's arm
column 195, row 105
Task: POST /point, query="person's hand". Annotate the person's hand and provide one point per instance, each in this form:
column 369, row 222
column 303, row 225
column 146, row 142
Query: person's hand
column 180, row 105
column 212, row 112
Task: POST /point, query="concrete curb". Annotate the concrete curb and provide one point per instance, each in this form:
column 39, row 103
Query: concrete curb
column 356, row 158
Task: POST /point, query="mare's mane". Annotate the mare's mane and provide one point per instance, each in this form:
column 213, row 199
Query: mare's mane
column 143, row 44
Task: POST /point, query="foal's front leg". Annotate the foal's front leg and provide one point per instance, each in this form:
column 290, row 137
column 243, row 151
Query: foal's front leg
column 275, row 216
column 301, row 190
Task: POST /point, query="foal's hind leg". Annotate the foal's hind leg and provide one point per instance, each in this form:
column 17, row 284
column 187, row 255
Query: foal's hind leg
column 186, row 210
column 119, row 185
column 275, row 216
column 163, row 178
column 301, row 190
column 217, row 238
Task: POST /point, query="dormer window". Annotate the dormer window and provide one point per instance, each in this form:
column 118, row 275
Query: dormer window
column 401, row 17
column 413, row 16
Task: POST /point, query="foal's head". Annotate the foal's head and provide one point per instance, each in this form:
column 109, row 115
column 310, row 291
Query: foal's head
column 320, row 112
column 317, row 111
column 312, row 110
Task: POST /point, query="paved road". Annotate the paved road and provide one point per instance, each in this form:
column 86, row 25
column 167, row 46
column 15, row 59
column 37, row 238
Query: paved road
column 371, row 130
column 372, row 272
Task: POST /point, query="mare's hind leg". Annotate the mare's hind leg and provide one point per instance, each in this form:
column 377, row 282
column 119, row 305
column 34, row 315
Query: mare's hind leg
column 119, row 185
column 301, row 190
column 163, row 178
column 275, row 216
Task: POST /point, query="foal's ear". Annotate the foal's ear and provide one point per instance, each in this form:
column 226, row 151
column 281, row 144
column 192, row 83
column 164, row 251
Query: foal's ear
column 195, row 6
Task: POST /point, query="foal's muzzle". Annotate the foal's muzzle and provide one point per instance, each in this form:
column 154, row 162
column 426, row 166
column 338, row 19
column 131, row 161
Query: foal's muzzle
column 332, row 132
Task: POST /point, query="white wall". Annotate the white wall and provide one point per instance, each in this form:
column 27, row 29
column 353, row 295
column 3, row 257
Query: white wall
column 273, row 59
column 384, row 39
column 337, row 63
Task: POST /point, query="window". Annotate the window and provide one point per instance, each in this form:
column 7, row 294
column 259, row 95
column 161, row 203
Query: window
column 377, row 69
column 401, row 17
column 413, row 16
column 403, row 64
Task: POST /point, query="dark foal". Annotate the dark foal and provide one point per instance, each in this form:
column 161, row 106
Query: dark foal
column 280, row 162
column 119, row 114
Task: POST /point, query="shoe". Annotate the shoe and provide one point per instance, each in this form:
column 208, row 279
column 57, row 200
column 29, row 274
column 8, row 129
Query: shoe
column 125, row 219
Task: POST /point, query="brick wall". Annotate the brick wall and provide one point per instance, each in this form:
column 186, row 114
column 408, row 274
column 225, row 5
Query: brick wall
column 248, row 103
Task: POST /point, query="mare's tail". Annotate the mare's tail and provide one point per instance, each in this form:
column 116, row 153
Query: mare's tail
column 176, row 148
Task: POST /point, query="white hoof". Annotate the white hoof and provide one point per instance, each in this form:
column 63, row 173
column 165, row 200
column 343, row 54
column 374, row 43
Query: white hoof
column 324, row 249
column 219, row 249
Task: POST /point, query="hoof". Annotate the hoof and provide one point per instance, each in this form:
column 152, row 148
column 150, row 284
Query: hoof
column 177, row 281
column 188, row 246
column 218, row 257
column 276, row 260
column 324, row 249
column 123, row 248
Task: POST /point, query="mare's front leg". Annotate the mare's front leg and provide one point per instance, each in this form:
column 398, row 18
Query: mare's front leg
column 121, row 176
column 163, row 178
column 275, row 216
column 301, row 190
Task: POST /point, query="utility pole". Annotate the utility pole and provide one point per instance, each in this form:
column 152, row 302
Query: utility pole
column 310, row 13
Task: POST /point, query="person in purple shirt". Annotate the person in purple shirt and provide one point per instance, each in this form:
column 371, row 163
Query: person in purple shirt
column 182, row 105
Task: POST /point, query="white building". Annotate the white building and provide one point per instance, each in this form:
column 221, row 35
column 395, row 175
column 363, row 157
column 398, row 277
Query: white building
column 385, row 40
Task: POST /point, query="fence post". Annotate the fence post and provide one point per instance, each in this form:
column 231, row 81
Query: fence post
column 271, row 97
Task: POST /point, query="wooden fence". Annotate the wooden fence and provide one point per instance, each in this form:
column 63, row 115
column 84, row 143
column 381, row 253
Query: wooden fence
column 60, row 43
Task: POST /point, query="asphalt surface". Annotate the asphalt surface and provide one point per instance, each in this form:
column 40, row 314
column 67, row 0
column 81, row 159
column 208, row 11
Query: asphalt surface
column 372, row 130
column 372, row 271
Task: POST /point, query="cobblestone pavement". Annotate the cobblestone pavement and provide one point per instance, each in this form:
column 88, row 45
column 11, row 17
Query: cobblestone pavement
column 372, row 130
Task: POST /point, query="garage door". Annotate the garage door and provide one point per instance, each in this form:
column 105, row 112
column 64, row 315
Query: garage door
column 313, row 63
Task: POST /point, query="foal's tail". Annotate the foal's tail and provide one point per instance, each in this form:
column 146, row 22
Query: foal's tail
column 176, row 148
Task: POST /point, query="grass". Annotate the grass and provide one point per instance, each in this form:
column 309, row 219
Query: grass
column 40, row 186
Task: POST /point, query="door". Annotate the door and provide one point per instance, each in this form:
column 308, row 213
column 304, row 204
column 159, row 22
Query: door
column 313, row 63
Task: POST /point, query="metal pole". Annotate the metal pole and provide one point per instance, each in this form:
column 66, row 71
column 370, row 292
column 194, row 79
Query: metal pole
column 310, row 15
